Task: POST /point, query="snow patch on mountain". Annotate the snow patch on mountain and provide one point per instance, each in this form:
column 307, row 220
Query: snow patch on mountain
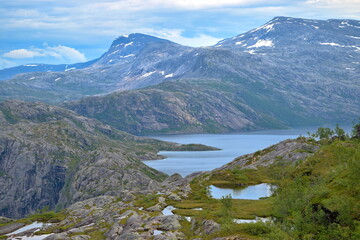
column 357, row 48
column 147, row 74
column 126, row 56
column 353, row 37
column 332, row 44
column 348, row 24
column 114, row 52
column 69, row 69
column 262, row 43
column 250, row 51
column 128, row 44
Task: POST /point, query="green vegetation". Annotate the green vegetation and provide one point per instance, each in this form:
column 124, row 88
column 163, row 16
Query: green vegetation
column 318, row 198
column 9, row 116
column 47, row 217
column 147, row 200
column 356, row 130
column 191, row 147
column 239, row 178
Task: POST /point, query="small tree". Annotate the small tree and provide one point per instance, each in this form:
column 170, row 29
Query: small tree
column 340, row 133
column 323, row 133
column 226, row 202
column 356, row 130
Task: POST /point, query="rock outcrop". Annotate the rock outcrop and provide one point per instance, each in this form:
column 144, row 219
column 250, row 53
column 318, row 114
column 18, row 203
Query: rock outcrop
column 286, row 152
column 50, row 157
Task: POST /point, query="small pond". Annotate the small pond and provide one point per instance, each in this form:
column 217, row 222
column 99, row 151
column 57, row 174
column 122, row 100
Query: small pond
column 35, row 237
column 257, row 219
column 27, row 227
column 254, row 192
column 168, row 211
column 157, row 232
column 33, row 225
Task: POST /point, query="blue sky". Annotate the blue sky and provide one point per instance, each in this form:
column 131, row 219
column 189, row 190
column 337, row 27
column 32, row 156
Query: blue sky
column 69, row 31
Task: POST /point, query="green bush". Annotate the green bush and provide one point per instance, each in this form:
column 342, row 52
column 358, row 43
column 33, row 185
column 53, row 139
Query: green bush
column 47, row 217
column 258, row 228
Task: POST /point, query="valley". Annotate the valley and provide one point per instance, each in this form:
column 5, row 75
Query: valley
column 286, row 73
column 158, row 140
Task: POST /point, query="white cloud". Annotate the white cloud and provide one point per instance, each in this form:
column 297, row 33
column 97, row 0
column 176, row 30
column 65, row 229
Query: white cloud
column 176, row 35
column 22, row 53
column 342, row 6
column 66, row 53
column 210, row 3
column 334, row 2
column 197, row 41
column 179, row 4
column 58, row 52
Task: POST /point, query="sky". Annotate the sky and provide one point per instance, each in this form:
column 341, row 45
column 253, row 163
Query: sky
column 70, row 31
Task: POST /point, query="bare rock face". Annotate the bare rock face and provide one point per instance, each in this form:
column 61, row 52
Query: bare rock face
column 121, row 220
column 288, row 151
column 51, row 157
column 204, row 227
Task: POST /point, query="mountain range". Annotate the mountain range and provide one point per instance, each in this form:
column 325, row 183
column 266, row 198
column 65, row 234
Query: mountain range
column 73, row 158
column 288, row 72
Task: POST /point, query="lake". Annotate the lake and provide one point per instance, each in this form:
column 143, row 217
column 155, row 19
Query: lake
column 253, row 192
column 232, row 145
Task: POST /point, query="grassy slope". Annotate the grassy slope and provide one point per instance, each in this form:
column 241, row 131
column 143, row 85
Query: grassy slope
column 317, row 199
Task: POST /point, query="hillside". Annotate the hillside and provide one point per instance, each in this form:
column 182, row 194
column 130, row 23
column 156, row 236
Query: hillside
column 51, row 157
column 131, row 62
column 196, row 106
column 288, row 72
column 316, row 196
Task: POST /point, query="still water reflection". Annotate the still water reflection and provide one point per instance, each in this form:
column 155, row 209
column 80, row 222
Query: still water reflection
column 232, row 145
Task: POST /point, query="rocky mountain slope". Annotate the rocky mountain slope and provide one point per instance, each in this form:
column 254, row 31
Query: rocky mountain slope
column 288, row 72
column 175, row 107
column 51, row 157
column 195, row 106
column 8, row 73
column 287, row 152
column 131, row 62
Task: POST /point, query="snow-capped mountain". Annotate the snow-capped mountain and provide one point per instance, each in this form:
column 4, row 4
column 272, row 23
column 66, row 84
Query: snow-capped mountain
column 308, row 67
column 285, row 32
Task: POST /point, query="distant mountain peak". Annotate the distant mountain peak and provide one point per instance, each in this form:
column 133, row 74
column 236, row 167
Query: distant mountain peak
column 287, row 32
column 137, row 38
column 127, row 47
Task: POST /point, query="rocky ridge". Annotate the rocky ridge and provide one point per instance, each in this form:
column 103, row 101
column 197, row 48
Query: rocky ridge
column 288, row 72
column 51, row 157
column 288, row 152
